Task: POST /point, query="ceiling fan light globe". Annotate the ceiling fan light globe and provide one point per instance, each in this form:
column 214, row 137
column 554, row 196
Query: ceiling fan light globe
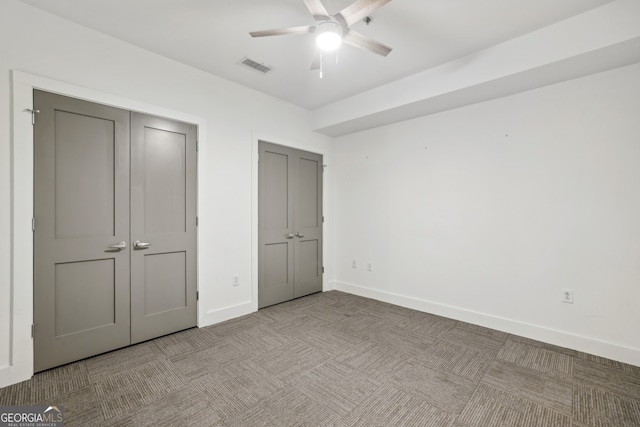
column 328, row 41
column 329, row 36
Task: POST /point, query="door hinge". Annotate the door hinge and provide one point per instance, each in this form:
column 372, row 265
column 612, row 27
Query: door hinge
column 197, row 295
column 33, row 330
column 197, row 146
column 323, row 269
column 33, row 115
column 323, row 219
column 197, row 221
column 33, row 224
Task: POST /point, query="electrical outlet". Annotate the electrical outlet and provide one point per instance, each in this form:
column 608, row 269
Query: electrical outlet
column 369, row 267
column 353, row 264
column 567, row 296
column 235, row 280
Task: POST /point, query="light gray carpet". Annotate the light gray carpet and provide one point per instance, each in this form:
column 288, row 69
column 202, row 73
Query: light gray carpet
column 335, row 359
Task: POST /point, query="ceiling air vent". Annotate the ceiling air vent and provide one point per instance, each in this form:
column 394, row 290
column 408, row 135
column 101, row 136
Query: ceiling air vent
column 254, row 65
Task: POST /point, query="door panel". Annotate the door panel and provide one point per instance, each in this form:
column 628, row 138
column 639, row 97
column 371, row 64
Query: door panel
column 276, row 283
column 84, row 147
column 308, row 190
column 308, row 268
column 93, row 283
column 276, row 185
column 290, row 224
column 163, row 201
column 81, row 207
column 165, row 285
column 276, row 265
column 164, row 181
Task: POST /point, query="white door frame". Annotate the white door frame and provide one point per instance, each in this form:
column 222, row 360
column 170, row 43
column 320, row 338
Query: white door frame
column 21, row 240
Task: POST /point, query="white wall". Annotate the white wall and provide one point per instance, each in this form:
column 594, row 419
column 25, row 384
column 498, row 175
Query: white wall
column 486, row 212
column 40, row 44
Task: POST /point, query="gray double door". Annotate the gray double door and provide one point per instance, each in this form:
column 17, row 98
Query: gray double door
column 115, row 228
column 290, row 224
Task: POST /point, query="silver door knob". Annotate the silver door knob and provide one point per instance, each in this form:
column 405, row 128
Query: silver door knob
column 119, row 246
column 299, row 235
column 289, row 235
column 140, row 245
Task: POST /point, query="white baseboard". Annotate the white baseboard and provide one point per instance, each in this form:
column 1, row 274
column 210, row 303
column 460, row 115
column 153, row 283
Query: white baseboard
column 216, row 316
column 527, row 330
column 329, row 286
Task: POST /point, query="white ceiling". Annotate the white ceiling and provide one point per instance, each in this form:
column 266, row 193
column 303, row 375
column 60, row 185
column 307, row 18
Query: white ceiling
column 212, row 35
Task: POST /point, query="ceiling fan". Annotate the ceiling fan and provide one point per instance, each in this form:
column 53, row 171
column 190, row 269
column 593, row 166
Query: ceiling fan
column 332, row 30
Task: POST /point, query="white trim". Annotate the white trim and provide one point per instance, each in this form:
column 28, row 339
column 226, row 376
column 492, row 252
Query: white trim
column 227, row 313
column 331, row 286
column 254, row 221
column 327, row 243
column 21, row 240
column 527, row 330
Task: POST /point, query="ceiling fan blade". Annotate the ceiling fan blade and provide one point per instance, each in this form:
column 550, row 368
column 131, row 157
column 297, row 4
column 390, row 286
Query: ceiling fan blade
column 361, row 41
column 317, row 10
column 315, row 63
column 283, row 31
column 361, row 9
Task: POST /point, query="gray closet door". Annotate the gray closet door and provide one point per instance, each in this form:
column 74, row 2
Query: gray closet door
column 163, row 222
column 81, row 287
column 290, row 224
column 115, row 236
